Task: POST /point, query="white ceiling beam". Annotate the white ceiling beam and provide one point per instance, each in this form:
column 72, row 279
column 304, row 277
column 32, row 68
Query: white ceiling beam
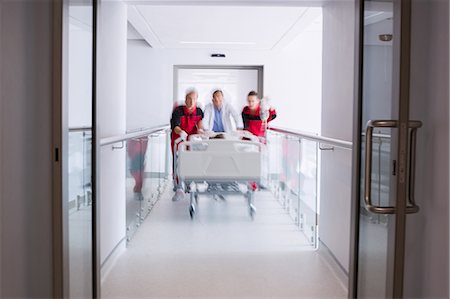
column 142, row 27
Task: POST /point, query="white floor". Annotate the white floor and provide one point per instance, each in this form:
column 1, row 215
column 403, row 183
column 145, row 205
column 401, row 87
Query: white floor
column 221, row 254
column 80, row 255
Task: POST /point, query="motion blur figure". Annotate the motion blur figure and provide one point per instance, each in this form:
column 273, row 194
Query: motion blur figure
column 136, row 149
column 186, row 120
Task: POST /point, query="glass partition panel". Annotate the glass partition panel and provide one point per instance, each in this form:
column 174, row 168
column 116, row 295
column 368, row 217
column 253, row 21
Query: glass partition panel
column 292, row 168
column 78, row 68
column 374, row 244
column 275, row 161
column 80, row 212
column 308, row 190
column 159, row 144
column 152, row 172
column 293, row 178
column 162, row 162
column 146, row 177
column 379, row 67
column 135, row 184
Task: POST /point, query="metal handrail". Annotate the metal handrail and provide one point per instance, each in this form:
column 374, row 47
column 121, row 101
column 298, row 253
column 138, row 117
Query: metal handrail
column 319, row 139
column 80, row 129
column 128, row 136
column 378, row 135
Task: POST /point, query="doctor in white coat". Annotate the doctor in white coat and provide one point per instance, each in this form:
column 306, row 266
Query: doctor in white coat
column 218, row 115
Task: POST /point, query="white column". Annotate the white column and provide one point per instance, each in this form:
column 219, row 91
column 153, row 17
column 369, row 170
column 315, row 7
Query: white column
column 111, row 111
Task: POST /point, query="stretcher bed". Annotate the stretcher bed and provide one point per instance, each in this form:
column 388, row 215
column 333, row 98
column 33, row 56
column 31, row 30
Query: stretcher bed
column 205, row 165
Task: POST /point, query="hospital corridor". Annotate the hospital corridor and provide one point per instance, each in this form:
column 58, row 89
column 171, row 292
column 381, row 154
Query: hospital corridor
column 224, row 149
column 222, row 254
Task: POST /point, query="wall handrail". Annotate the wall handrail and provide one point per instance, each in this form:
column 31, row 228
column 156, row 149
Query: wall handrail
column 80, row 129
column 378, row 135
column 128, row 136
column 314, row 137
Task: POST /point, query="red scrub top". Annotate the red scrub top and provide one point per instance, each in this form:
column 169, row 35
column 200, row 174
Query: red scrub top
column 186, row 120
column 252, row 120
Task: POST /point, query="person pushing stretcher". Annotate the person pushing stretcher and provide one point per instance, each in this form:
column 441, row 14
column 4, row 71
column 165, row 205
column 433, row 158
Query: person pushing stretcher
column 186, row 120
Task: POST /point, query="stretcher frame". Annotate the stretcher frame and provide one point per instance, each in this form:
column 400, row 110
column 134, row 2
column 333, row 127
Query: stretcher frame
column 226, row 166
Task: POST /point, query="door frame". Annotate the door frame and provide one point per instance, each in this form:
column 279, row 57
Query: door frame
column 401, row 89
column 59, row 153
column 356, row 151
column 60, row 217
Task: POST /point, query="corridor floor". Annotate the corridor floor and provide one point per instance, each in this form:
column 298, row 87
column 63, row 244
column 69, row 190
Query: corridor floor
column 221, row 254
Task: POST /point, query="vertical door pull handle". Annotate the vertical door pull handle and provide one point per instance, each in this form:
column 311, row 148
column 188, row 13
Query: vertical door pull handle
column 368, row 166
column 412, row 206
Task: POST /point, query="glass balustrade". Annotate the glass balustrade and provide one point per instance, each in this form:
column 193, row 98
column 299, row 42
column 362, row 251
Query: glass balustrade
column 80, row 212
column 293, row 179
column 146, row 177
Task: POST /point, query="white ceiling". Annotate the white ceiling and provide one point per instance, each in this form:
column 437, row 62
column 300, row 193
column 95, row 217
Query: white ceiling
column 219, row 27
column 80, row 17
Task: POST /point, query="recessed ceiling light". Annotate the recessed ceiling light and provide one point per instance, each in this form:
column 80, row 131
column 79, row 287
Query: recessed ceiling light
column 216, row 43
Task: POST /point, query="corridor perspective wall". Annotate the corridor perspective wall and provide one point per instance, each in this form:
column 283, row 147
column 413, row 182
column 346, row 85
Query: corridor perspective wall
column 337, row 118
column 284, row 85
column 26, row 149
column 111, row 105
column 145, row 106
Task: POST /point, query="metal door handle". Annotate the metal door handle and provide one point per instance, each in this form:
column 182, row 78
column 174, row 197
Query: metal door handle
column 368, row 166
column 414, row 125
column 412, row 208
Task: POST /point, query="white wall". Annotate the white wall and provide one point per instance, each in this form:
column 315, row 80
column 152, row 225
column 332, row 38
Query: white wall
column 145, row 106
column 159, row 65
column 26, row 148
column 293, row 78
column 111, row 104
column 80, row 80
column 337, row 118
column 427, row 247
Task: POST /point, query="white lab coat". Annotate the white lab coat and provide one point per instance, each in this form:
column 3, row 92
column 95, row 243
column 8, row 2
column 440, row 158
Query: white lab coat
column 228, row 112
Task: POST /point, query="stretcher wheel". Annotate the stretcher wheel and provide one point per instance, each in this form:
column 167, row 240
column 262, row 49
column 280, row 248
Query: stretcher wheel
column 252, row 212
column 192, row 212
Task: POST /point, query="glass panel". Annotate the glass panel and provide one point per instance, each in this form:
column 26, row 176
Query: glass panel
column 308, row 190
column 284, row 173
column 376, row 231
column 162, row 160
column 79, row 71
column 293, row 178
column 292, row 151
column 275, row 162
column 135, row 185
column 154, row 169
column 146, row 177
